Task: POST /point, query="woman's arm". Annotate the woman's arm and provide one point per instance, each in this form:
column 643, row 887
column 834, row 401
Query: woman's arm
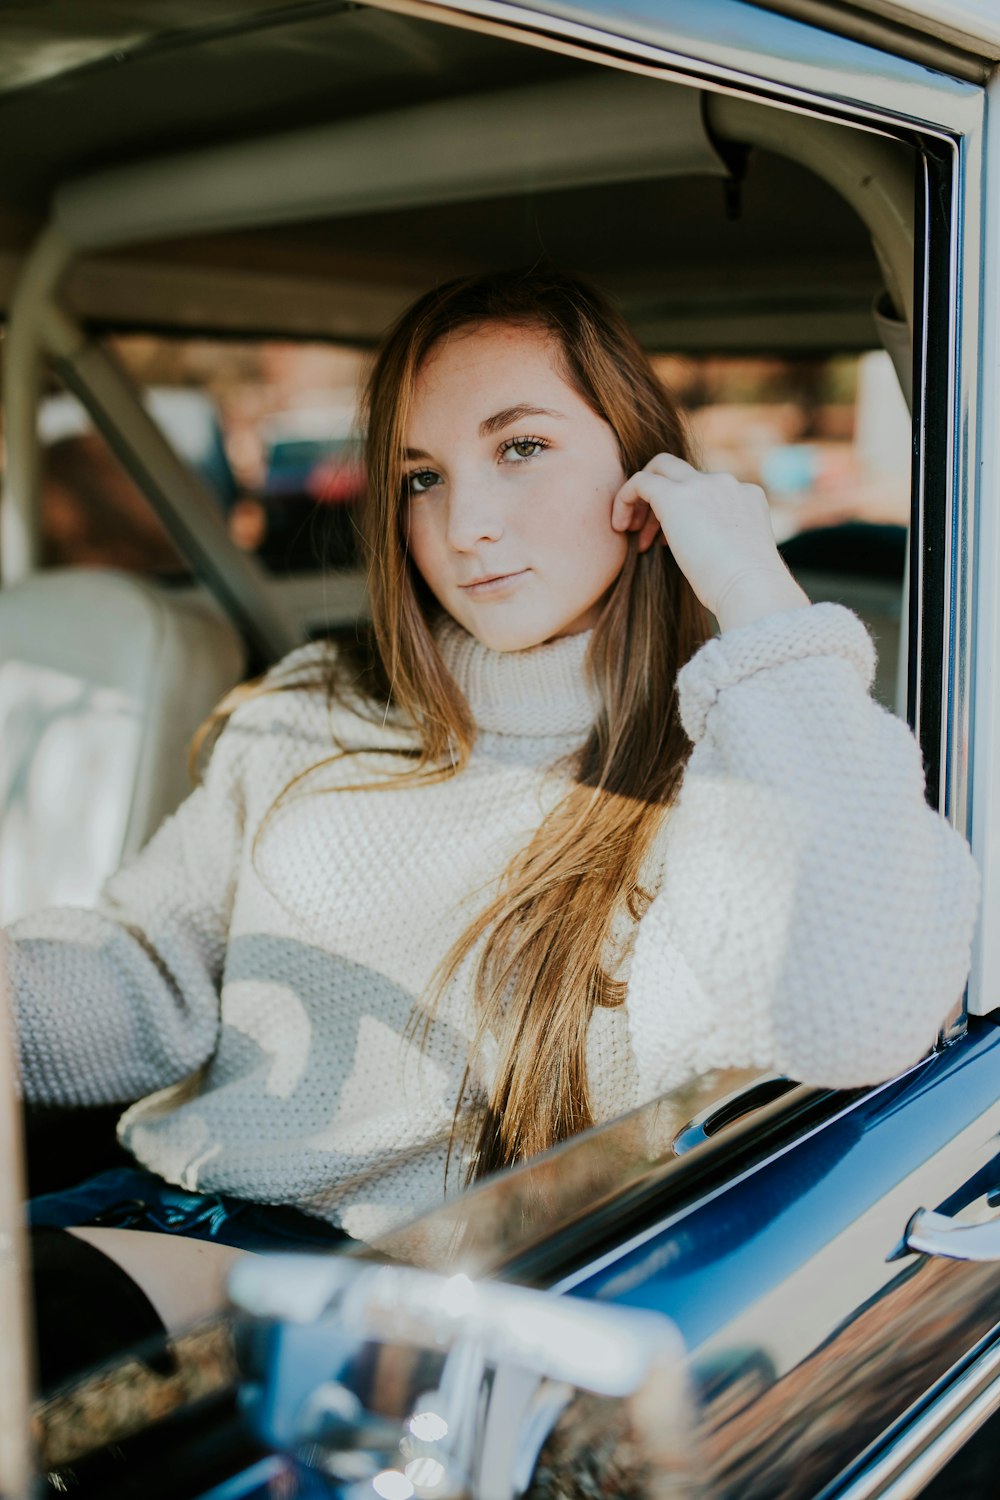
column 112, row 1003
column 815, row 916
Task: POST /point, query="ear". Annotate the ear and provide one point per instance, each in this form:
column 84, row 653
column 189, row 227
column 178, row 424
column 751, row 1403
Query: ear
column 649, row 532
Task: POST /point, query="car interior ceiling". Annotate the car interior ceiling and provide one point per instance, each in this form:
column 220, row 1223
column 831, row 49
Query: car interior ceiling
column 710, row 264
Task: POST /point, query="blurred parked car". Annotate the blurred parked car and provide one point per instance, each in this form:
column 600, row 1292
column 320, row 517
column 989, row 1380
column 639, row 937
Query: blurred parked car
column 748, row 1290
column 314, row 481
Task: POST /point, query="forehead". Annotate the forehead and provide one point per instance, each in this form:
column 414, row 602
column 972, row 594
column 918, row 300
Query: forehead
column 491, row 365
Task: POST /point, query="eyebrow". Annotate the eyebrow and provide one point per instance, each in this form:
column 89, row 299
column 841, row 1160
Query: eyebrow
column 502, row 419
column 497, row 423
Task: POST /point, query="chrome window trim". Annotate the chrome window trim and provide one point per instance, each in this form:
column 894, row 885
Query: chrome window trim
column 855, row 81
column 936, row 45
column 963, row 356
column 983, row 704
column 875, row 91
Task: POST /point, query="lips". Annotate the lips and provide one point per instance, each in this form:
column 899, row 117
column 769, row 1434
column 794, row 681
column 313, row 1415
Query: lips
column 493, row 578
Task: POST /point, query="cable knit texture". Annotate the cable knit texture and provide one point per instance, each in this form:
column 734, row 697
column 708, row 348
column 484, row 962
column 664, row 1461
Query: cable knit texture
column 253, row 983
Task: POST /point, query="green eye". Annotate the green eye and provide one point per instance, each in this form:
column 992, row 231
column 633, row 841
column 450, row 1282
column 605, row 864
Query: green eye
column 422, row 481
column 518, row 450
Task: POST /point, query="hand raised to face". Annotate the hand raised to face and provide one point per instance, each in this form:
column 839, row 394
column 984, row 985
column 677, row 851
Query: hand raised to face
column 719, row 531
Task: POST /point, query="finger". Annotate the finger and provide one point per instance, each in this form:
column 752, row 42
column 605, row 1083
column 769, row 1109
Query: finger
column 638, row 492
column 632, row 512
column 629, row 508
column 652, row 482
column 669, row 466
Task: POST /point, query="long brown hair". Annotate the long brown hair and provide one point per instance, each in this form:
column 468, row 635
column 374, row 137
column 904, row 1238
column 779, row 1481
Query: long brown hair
column 546, row 933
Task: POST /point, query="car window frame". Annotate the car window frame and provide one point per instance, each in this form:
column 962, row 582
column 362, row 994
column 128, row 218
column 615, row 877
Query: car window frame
column 945, row 495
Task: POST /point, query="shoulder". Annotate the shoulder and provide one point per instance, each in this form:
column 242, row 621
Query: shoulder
column 308, row 705
column 273, row 721
column 291, row 696
column 308, row 666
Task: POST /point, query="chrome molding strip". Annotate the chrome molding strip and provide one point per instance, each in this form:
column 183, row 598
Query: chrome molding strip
column 913, row 598
column 719, row 43
column 922, row 1448
column 984, row 454
column 958, row 55
column 963, row 356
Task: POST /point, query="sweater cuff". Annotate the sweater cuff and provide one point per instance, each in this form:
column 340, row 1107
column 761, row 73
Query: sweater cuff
column 792, row 635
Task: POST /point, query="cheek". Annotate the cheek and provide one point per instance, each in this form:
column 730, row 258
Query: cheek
column 420, row 541
column 584, row 554
column 592, row 530
column 601, row 554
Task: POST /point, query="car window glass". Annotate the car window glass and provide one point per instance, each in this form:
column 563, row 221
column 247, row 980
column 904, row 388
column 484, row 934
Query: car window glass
column 829, row 440
column 271, row 427
column 511, row 1214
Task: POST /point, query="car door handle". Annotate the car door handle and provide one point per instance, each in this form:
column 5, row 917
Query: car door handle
column 727, row 1111
column 939, row 1234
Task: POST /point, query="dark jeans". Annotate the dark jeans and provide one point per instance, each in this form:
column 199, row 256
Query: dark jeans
column 87, row 1309
column 133, row 1198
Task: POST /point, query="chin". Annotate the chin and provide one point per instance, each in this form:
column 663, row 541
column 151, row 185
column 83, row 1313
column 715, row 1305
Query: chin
column 514, row 635
column 506, row 640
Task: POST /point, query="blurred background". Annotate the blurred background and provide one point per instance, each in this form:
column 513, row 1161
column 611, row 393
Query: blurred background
column 272, row 428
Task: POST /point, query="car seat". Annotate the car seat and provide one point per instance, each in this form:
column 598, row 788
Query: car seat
column 104, row 678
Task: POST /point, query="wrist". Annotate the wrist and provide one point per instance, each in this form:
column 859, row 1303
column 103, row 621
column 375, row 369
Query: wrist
column 755, row 592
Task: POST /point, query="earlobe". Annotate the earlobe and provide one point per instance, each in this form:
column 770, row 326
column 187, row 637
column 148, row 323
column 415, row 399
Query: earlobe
column 649, row 532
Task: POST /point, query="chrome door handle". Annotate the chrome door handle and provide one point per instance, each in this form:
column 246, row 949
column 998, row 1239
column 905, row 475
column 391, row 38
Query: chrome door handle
column 939, row 1234
column 734, row 1106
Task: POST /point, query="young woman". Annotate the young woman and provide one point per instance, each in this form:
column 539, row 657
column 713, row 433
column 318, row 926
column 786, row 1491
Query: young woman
column 461, row 888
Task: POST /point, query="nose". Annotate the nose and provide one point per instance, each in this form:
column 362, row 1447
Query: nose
column 474, row 515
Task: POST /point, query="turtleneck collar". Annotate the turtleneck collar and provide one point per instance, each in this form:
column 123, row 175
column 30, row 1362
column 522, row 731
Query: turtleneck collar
column 540, row 693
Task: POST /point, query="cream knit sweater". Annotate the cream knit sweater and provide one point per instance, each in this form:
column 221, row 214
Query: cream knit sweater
column 811, row 915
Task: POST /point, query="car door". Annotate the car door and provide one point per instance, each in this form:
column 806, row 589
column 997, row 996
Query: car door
column 830, row 1261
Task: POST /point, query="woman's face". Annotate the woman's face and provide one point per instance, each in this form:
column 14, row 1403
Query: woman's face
column 510, row 477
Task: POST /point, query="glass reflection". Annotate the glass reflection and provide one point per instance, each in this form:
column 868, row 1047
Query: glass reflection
column 485, row 1228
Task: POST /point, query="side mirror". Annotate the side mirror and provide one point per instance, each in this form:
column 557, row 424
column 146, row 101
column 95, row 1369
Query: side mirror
column 406, row 1385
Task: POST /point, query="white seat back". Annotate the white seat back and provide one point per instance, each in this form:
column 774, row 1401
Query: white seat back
column 103, row 680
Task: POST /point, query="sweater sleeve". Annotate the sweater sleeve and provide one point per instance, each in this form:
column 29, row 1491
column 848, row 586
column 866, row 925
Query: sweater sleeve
column 815, row 916
column 118, row 1001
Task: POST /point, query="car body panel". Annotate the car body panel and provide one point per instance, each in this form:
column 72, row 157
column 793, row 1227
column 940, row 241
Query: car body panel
column 792, row 1268
column 814, row 1339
